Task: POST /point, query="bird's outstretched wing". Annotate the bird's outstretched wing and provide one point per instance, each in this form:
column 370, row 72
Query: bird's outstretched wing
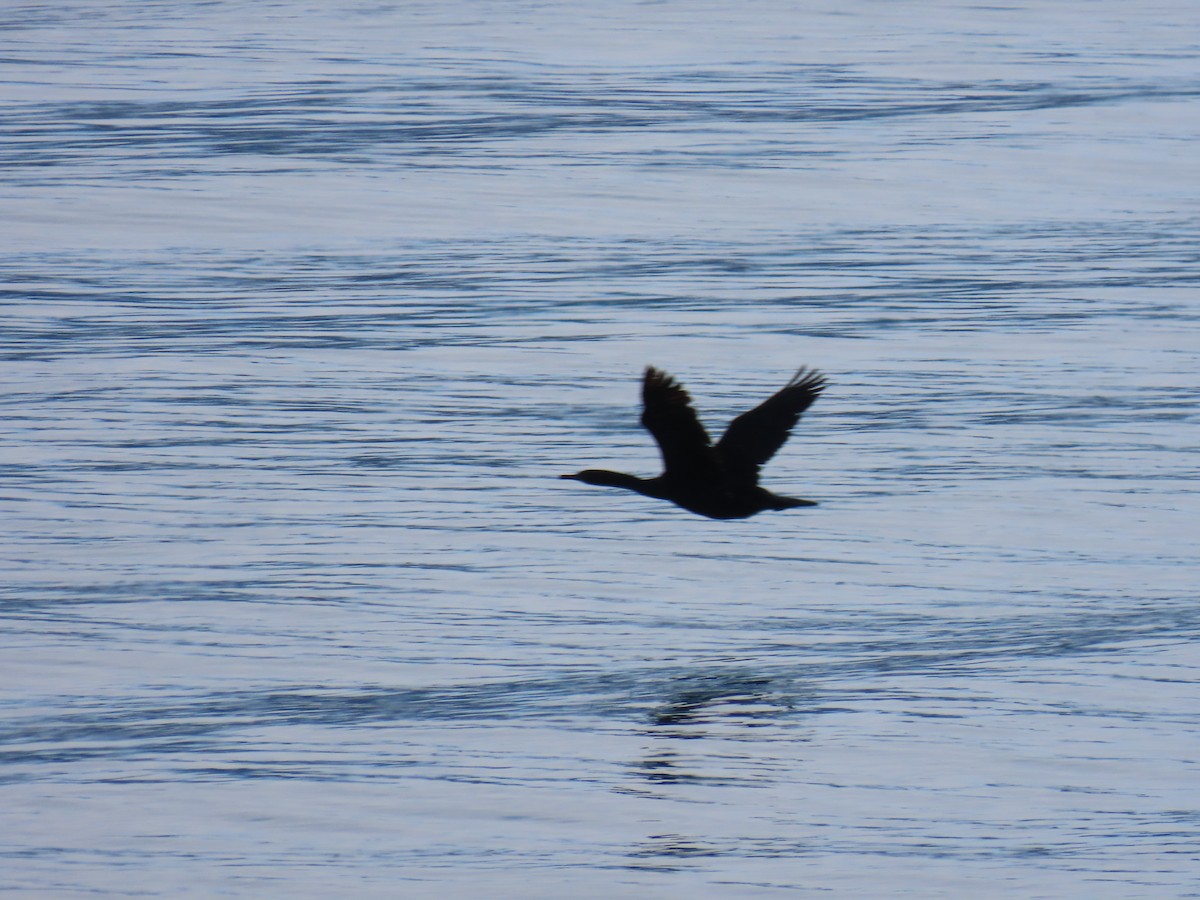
column 668, row 415
column 753, row 437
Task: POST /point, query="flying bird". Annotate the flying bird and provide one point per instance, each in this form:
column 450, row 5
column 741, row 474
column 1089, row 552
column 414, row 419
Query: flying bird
column 715, row 480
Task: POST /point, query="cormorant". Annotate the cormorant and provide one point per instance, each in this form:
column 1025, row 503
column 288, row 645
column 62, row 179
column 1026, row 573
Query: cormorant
column 719, row 481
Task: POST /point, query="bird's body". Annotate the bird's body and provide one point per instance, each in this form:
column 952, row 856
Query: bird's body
column 715, row 480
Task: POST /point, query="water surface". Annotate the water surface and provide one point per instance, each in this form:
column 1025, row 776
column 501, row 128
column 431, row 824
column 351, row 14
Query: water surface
column 305, row 310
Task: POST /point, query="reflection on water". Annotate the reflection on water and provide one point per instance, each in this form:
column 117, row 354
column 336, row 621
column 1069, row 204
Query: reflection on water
column 305, row 312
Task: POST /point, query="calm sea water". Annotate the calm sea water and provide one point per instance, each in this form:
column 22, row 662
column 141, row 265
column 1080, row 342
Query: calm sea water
column 305, row 307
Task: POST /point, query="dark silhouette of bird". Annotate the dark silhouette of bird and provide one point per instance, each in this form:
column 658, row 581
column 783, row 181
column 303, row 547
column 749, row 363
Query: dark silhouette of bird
column 715, row 480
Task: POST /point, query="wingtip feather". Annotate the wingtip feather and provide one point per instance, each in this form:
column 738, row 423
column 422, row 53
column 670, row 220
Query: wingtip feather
column 809, row 379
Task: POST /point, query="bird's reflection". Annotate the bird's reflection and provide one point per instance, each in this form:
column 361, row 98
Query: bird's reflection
column 709, row 712
column 731, row 723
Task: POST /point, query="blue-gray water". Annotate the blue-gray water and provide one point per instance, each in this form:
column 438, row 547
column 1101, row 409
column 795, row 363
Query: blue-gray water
column 306, row 307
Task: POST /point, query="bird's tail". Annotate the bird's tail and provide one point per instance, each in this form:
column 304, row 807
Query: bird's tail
column 790, row 502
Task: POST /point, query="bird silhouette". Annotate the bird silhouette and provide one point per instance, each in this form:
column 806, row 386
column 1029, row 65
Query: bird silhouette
column 715, row 480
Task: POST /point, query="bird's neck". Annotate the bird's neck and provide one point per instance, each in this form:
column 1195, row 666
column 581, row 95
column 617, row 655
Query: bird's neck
column 650, row 487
